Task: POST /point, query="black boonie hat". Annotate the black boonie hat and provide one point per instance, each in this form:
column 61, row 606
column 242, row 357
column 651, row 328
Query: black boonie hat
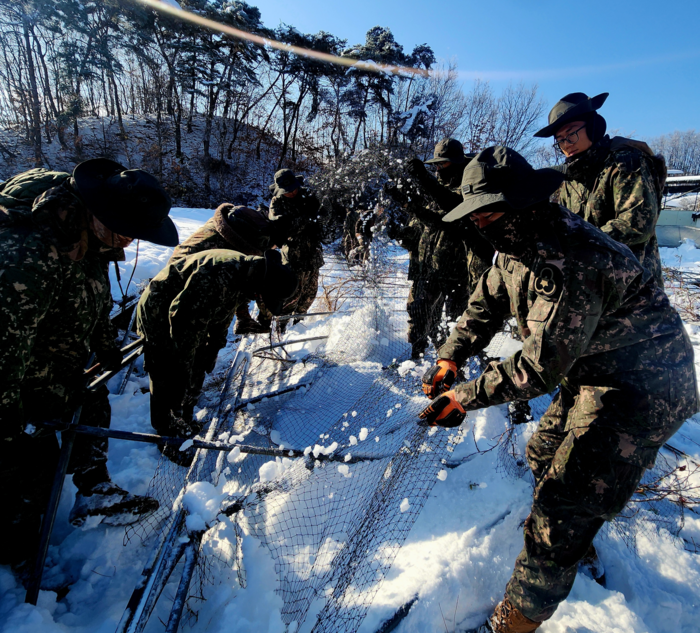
column 286, row 181
column 251, row 225
column 500, row 174
column 279, row 284
column 448, row 150
column 130, row 202
column 574, row 106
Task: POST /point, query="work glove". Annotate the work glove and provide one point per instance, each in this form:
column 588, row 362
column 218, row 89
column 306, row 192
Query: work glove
column 110, row 359
column 443, row 411
column 416, row 168
column 439, row 378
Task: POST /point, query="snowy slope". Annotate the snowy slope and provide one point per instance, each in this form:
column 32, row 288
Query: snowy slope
column 456, row 560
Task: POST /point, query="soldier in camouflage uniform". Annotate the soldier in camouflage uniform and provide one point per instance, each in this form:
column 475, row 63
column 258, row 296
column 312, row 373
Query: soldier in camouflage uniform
column 450, row 260
column 299, row 226
column 184, row 315
column 594, row 323
column 238, row 228
column 615, row 183
column 55, row 302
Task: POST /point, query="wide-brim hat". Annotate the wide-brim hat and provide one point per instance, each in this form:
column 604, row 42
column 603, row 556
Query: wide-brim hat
column 286, row 181
column 447, row 150
column 572, row 107
column 279, row 284
column 130, row 202
column 500, row 174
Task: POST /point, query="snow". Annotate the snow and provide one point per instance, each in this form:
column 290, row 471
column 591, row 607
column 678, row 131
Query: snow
column 457, row 558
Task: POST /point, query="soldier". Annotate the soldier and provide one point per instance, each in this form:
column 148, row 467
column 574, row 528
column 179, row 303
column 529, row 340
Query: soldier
column 594, row 323
column 461, row 249
column 424, row 295
column 55, row 302
column 452, row 260
column 614, row 183
column 184, row 315
column 237, row 228
column 299, row 227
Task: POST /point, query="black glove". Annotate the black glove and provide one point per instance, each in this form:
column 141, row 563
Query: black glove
column 110, row 359
column 439, row 378
column 443, row 411
column 416, row 168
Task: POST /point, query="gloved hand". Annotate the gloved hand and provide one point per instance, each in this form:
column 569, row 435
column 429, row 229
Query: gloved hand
column 110, row 359
column 439, row 378
column 443, row 411
column 416, row 168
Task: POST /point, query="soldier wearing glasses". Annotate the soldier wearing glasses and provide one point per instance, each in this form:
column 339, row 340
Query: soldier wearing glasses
column 616, row 183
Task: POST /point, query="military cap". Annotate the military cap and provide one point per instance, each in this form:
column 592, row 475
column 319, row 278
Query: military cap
column 500, row 174
column 448, row 150
column 286, row 181
column 130, row 202
column 572, row 107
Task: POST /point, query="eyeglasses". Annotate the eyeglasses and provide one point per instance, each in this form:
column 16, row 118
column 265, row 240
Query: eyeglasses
column 571, row 138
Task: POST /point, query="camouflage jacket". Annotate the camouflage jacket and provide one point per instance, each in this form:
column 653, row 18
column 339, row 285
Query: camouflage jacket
column 410, row 233
column 192, row 301
column 219, row 233
column 447, row 247
column 615, row 185
column 55, row 302
column 300, row 227
column 588, row 312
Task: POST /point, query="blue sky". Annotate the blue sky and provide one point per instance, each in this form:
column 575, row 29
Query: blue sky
column 645, row 53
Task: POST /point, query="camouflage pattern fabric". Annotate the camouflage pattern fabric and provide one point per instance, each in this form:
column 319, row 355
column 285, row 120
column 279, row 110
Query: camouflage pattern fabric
column 218, row 233
column 184, row 315
column 300, row 228
column 594, row 321
column 55, row 301
column 615, row 186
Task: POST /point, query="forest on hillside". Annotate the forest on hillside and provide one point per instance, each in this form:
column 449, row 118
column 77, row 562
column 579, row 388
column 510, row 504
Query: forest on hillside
column 210, row 103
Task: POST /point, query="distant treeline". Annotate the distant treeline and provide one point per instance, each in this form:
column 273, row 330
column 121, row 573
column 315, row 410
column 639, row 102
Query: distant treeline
column 681, row 149
column 61, row 60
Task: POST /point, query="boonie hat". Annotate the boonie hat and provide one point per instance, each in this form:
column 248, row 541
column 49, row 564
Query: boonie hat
column 448, row 150
column 572, row 107
column 286, row 181
column 500, row 174
column 130, row 202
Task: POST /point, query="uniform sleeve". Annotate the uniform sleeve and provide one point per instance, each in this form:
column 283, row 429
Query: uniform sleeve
column 488, row 308
column 558, row 332
column 636, row 204
column 206, row 303
column 28, row 283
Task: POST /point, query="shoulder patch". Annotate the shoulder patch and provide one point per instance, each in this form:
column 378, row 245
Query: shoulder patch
column 549, row 281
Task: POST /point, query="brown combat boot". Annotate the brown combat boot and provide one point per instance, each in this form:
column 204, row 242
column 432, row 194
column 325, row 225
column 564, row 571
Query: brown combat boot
column 507, row 619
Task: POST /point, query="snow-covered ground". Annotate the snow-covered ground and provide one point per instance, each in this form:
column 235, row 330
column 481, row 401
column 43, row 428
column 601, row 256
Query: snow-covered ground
column 456, row 560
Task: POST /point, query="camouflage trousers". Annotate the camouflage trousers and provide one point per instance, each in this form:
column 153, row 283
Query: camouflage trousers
column 28, row 465
column 174, row 388
column 426, row 299
column 301, row 301
column 588, row 455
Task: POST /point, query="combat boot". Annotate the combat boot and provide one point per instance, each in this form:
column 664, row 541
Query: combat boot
column 249, row 326
column 592, row 566
column 506, row 619
column 115, row 505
